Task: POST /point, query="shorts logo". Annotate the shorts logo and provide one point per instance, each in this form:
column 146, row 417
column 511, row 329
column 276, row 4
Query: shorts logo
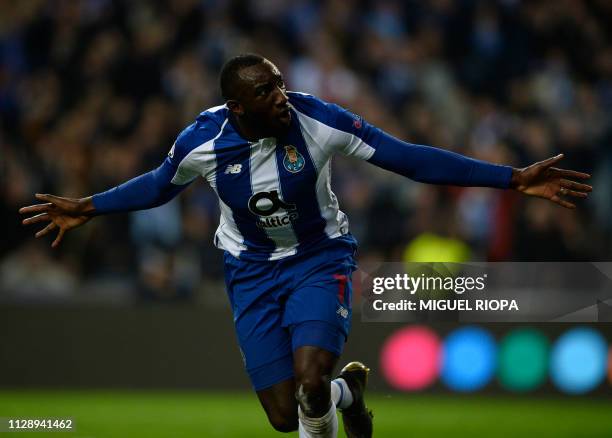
column 293, row 161
column 342, row 311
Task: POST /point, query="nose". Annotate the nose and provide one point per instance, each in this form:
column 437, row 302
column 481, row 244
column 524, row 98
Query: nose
column 281, row 98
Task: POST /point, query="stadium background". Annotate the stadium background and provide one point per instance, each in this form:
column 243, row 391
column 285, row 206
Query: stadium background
column 94, row 92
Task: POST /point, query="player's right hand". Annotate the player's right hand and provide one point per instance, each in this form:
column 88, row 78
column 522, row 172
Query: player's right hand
column 62, row 213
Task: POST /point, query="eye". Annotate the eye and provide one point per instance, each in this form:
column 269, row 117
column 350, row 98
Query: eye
column 281, row 83
column 262, row 91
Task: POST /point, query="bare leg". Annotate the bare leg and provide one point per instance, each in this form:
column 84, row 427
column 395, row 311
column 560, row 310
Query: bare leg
column 280, row 405
column 313, row 368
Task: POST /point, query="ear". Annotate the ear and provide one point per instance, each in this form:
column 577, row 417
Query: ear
column 235, row 107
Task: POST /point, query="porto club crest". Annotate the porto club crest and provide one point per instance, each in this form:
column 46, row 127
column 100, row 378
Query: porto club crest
column 293, row 160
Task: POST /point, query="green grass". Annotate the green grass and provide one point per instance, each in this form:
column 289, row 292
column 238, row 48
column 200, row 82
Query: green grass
column 198, row 414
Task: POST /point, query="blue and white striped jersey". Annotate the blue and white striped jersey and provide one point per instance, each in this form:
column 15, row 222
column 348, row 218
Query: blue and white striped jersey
column 274, row 194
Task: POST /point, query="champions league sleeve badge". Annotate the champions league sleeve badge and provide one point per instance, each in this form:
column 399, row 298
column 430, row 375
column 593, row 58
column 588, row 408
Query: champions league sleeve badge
column 293, row 160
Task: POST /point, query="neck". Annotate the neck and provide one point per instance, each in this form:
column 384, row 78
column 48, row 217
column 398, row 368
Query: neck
column 248, row 129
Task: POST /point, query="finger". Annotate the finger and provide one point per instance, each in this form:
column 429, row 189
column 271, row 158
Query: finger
column 575, row 186
column 575, row 194
column 35, row 208
column 570, row 173
column 562, row 202
column 58, row 200
column 52, row 199
column 45, row 197
column 59, row 238
column 45, row 230
column 35, row 219
column 552, row 160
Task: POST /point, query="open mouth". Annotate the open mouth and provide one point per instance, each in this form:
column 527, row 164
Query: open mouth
column 284, row 114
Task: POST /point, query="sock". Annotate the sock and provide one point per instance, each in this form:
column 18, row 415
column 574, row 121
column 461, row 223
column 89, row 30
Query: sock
column 324, row 427
column 341, row 394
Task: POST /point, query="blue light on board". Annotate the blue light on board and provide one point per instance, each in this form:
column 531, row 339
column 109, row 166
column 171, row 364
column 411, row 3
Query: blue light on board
column 578, row 360
column 468, row 359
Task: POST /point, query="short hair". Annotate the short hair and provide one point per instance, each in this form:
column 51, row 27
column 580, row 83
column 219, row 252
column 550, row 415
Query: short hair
column 229, row 72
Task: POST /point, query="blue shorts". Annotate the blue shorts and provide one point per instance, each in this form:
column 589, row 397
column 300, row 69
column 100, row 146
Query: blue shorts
column 285, row 304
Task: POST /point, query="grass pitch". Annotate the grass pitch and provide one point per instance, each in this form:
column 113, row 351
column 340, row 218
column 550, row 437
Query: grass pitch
column 172, row 414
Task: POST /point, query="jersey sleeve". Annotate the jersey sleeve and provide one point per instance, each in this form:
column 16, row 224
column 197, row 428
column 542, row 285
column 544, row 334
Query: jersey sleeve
column 181, row 155
column 351, row 135
column 160, row 185
column 148, row 190
column 333, row 128
column 433, row 165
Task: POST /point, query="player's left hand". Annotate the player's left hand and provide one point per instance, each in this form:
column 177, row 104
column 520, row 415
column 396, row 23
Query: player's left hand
column 545, row 181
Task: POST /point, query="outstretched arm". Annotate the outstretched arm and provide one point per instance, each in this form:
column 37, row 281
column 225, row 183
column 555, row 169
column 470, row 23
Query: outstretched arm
column 145, row 191
column 438, row 166
column 349, row 134
column 433, row 165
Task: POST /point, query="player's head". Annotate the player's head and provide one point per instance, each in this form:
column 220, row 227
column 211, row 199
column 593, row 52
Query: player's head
column 254, row 91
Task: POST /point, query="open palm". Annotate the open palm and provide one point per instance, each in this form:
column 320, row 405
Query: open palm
column 61, row 213
column 544, row 181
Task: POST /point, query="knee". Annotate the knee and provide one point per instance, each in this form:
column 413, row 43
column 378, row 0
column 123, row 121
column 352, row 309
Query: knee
column 312, row 368
column 313, row 393
column 311, row 384
column 284, row 423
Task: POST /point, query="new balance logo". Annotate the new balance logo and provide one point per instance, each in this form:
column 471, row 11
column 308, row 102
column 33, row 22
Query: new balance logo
column 233, row 168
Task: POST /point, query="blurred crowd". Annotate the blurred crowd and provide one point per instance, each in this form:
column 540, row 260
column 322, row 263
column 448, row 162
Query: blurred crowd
column 94, row 92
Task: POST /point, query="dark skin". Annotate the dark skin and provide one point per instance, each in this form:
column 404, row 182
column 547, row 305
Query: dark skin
column 260, row 109
column 260, row 105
